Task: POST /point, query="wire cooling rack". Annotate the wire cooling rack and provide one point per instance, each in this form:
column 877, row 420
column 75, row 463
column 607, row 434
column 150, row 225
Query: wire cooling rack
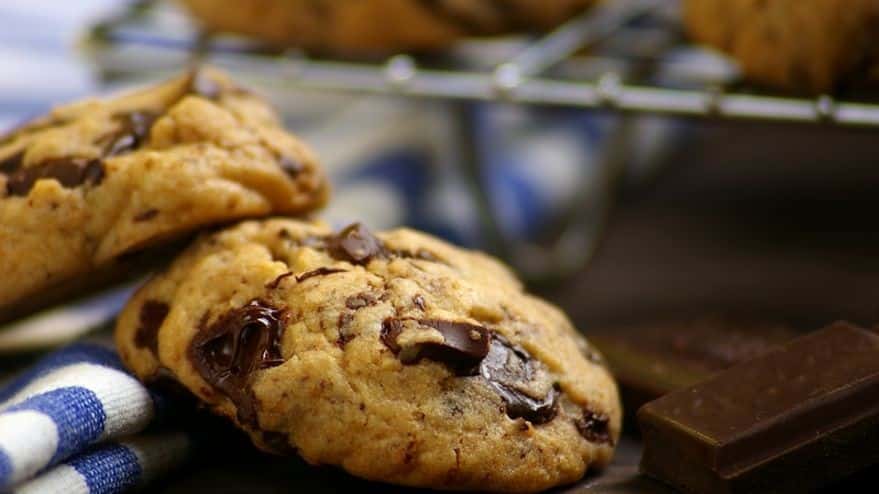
column 625, row 56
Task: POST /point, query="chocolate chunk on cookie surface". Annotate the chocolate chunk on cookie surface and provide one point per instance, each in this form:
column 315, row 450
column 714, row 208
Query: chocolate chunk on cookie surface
column 242, row 341
column 461, row 344
column 510, row 371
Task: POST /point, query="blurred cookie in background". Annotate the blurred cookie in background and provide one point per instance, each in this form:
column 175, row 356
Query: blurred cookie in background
column 363, row 27
column 804, row 46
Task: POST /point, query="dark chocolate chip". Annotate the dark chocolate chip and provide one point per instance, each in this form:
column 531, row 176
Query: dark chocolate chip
column 318, row 272
column 344, row 323
column 506, row 367
column 360, row 301
column 291, row 166
column 12, row 162
column 418, row 300
column 355, row 244
column 133, row 131
column 277, row 281
column 69, row 172
column 146, row 215
column 203, row 85
column 237, row 344
column 595, row 427
column 391, row 329
column 74, row 171
column 463, row 346
column 152, row 314
column 93, row 173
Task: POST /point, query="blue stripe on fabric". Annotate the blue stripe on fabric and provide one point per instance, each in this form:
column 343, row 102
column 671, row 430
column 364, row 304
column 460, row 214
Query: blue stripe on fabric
column 77, row 353
column 5, row 467
column 108, row 469
column 77, row 413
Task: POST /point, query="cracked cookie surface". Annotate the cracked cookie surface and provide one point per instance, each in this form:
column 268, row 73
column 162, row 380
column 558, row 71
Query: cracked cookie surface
column 84, row 187
column 394, row 355
column 806, row 46
column 371, row 27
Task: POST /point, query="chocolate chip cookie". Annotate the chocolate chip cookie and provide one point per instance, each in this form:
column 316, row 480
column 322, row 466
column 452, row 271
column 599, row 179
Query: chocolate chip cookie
column 394, row 355
column 378, row 26
column 87, row 187
column 807, row 46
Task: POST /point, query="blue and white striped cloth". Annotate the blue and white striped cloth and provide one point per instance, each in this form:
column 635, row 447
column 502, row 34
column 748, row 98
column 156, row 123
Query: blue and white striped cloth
column 70, row 424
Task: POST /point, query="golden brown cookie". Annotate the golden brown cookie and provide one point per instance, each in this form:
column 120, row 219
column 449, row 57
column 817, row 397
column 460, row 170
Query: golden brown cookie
column 87, row 186
column 378, row 26
column 807, row 46
column 393, row 355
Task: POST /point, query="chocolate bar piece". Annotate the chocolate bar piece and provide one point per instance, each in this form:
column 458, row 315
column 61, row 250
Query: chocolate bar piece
column 651, row 360
column 790, row 420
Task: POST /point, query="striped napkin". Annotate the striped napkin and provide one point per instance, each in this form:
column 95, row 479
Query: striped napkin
column 74, row 423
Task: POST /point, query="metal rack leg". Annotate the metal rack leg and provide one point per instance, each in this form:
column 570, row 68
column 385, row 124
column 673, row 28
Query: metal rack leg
column 583, row 221
column 586, row 218
column 464, row 120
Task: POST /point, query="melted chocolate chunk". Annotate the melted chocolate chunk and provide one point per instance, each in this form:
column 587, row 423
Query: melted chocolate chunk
column 69, row 172
column 595, row 427
column 318, row 272
column 277, row 281
column 360, row 301
column 146, row 215
column 93, row 173
column 291, row 166
column 344, row 323
column 152, row 315
column 391, row 329
column 134, row 129
column 506, row 367
column 12, row 162
column 237, row 344
column 355, row 244
column 463, row 346
column 304, row 276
